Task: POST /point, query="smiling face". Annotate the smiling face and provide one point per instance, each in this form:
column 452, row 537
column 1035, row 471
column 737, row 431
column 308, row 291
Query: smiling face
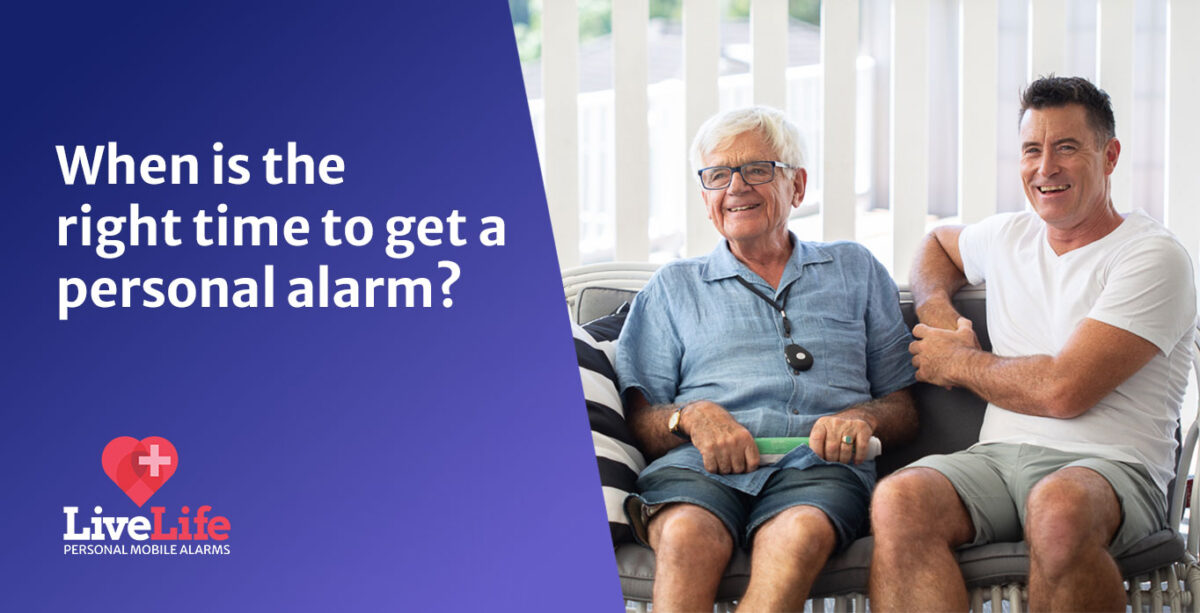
column 1065, row 167
column 753, row 217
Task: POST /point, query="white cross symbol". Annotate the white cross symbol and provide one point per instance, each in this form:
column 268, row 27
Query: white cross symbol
column 154, row 460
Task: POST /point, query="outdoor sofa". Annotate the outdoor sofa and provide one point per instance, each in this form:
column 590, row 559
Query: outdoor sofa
column 1161, row 571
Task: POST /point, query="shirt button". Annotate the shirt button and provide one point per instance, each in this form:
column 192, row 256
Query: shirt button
column 795, row 411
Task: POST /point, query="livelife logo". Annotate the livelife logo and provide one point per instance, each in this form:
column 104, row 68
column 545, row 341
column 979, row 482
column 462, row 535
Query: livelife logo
column 140, row 468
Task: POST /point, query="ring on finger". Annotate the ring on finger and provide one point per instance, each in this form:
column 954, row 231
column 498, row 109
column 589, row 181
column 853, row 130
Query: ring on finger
column 847, row 440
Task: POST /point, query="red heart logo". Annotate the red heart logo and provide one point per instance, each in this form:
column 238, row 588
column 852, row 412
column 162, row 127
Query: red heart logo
column 139, row 468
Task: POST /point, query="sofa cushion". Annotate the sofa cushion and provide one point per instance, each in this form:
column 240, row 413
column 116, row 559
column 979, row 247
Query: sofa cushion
column 845, row 572
column 848, row 571
column 617, row 455
column 1001, row 563
column 596, row 302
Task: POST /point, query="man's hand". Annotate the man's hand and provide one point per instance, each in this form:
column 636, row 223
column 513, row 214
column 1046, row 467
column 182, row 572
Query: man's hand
column 828, row 439
column 935, row 350
column 726, row 446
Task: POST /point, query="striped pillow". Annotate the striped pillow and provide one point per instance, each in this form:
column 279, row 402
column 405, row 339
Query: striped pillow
column 619, row 459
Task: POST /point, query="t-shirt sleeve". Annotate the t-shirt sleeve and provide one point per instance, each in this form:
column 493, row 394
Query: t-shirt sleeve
column 648, row 350
column 975, row 246
column 1150, row 291
column 889, row 366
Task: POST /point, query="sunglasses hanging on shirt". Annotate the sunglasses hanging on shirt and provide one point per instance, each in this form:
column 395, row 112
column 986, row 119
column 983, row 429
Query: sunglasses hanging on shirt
column 798, row 357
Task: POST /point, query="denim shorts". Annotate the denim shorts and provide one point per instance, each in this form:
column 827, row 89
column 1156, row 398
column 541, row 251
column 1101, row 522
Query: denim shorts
column 994, row 480
column 834, row 489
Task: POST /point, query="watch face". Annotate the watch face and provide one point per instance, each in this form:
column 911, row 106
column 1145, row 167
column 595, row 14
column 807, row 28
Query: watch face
column 674, row 425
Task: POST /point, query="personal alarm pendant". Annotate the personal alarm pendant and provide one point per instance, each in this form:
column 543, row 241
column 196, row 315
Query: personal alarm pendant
column 798, row 358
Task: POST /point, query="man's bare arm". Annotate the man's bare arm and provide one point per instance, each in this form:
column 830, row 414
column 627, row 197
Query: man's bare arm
column 725, row 445
column 937, row 274
column 649, row 424
column 1095, row 360
column 891, row 418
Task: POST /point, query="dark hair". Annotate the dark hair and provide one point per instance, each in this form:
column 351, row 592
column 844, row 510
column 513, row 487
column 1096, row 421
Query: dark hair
column 1054, row 92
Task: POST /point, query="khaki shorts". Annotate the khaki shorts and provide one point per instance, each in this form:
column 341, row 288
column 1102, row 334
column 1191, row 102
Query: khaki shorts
column 994, row 480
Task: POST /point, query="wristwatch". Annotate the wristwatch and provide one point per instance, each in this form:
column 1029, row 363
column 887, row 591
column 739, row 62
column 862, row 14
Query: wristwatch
column 674, row 424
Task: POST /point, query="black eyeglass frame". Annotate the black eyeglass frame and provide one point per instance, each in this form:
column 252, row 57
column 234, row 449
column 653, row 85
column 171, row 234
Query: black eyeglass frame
column 738, row 169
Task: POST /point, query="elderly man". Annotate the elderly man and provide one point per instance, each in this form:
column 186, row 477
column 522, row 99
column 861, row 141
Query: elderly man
column 1091, row 315
column 766, row 336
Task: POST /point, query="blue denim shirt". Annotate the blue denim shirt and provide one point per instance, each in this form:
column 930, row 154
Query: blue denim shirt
column 696, row 333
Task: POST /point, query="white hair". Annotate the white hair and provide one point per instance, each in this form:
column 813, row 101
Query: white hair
column 777, row 130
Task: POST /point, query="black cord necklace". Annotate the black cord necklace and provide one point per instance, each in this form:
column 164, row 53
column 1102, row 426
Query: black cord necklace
column 797, row 357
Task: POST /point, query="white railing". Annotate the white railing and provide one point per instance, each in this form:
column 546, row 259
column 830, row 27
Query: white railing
column 670, row 175
column 584, row 139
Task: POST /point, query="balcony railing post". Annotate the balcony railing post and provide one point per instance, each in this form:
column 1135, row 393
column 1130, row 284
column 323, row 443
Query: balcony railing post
column 1114, row 74
column 977, row 96
column 839, row 48
column 910, row 131
column 560, row 84
column 630, row 20
column 701, row 60
column 1182, row 212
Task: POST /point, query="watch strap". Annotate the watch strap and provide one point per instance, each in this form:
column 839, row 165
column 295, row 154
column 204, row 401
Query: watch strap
column 676, row 423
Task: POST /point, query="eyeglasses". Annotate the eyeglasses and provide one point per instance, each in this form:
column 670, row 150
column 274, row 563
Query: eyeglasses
column 753, row 173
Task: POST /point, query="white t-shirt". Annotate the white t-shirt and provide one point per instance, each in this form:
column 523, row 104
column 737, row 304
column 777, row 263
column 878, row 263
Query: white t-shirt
column 1137, row 278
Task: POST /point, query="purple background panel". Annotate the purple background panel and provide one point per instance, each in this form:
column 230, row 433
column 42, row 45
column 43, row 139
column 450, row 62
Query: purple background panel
column 368, row 459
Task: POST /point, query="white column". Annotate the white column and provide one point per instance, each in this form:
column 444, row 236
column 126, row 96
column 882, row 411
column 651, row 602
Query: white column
column 560, row 85
column 978, row 74
column 768, row 39
column 910, row 131
column 630, row 20
column 1047, row 38
column 839, row 48
column 1182, row 210
column 1114, row 72
column 701, row 61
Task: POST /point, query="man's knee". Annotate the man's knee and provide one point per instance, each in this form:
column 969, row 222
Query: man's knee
column 690, row 527
column 805, row 532
column 1069, row 512
column 919, row 504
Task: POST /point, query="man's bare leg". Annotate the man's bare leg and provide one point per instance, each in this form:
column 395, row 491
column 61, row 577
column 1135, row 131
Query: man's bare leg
column 918, row 520
column 1071, row 516
column 788, row 553
column 691, row 550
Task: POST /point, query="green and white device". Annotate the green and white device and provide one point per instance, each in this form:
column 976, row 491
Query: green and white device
column 771, row 449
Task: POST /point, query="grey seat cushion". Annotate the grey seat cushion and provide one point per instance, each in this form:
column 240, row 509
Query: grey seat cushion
column 595, row 302
column 844, row 573
column 1009, row 562
column 849, row 571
